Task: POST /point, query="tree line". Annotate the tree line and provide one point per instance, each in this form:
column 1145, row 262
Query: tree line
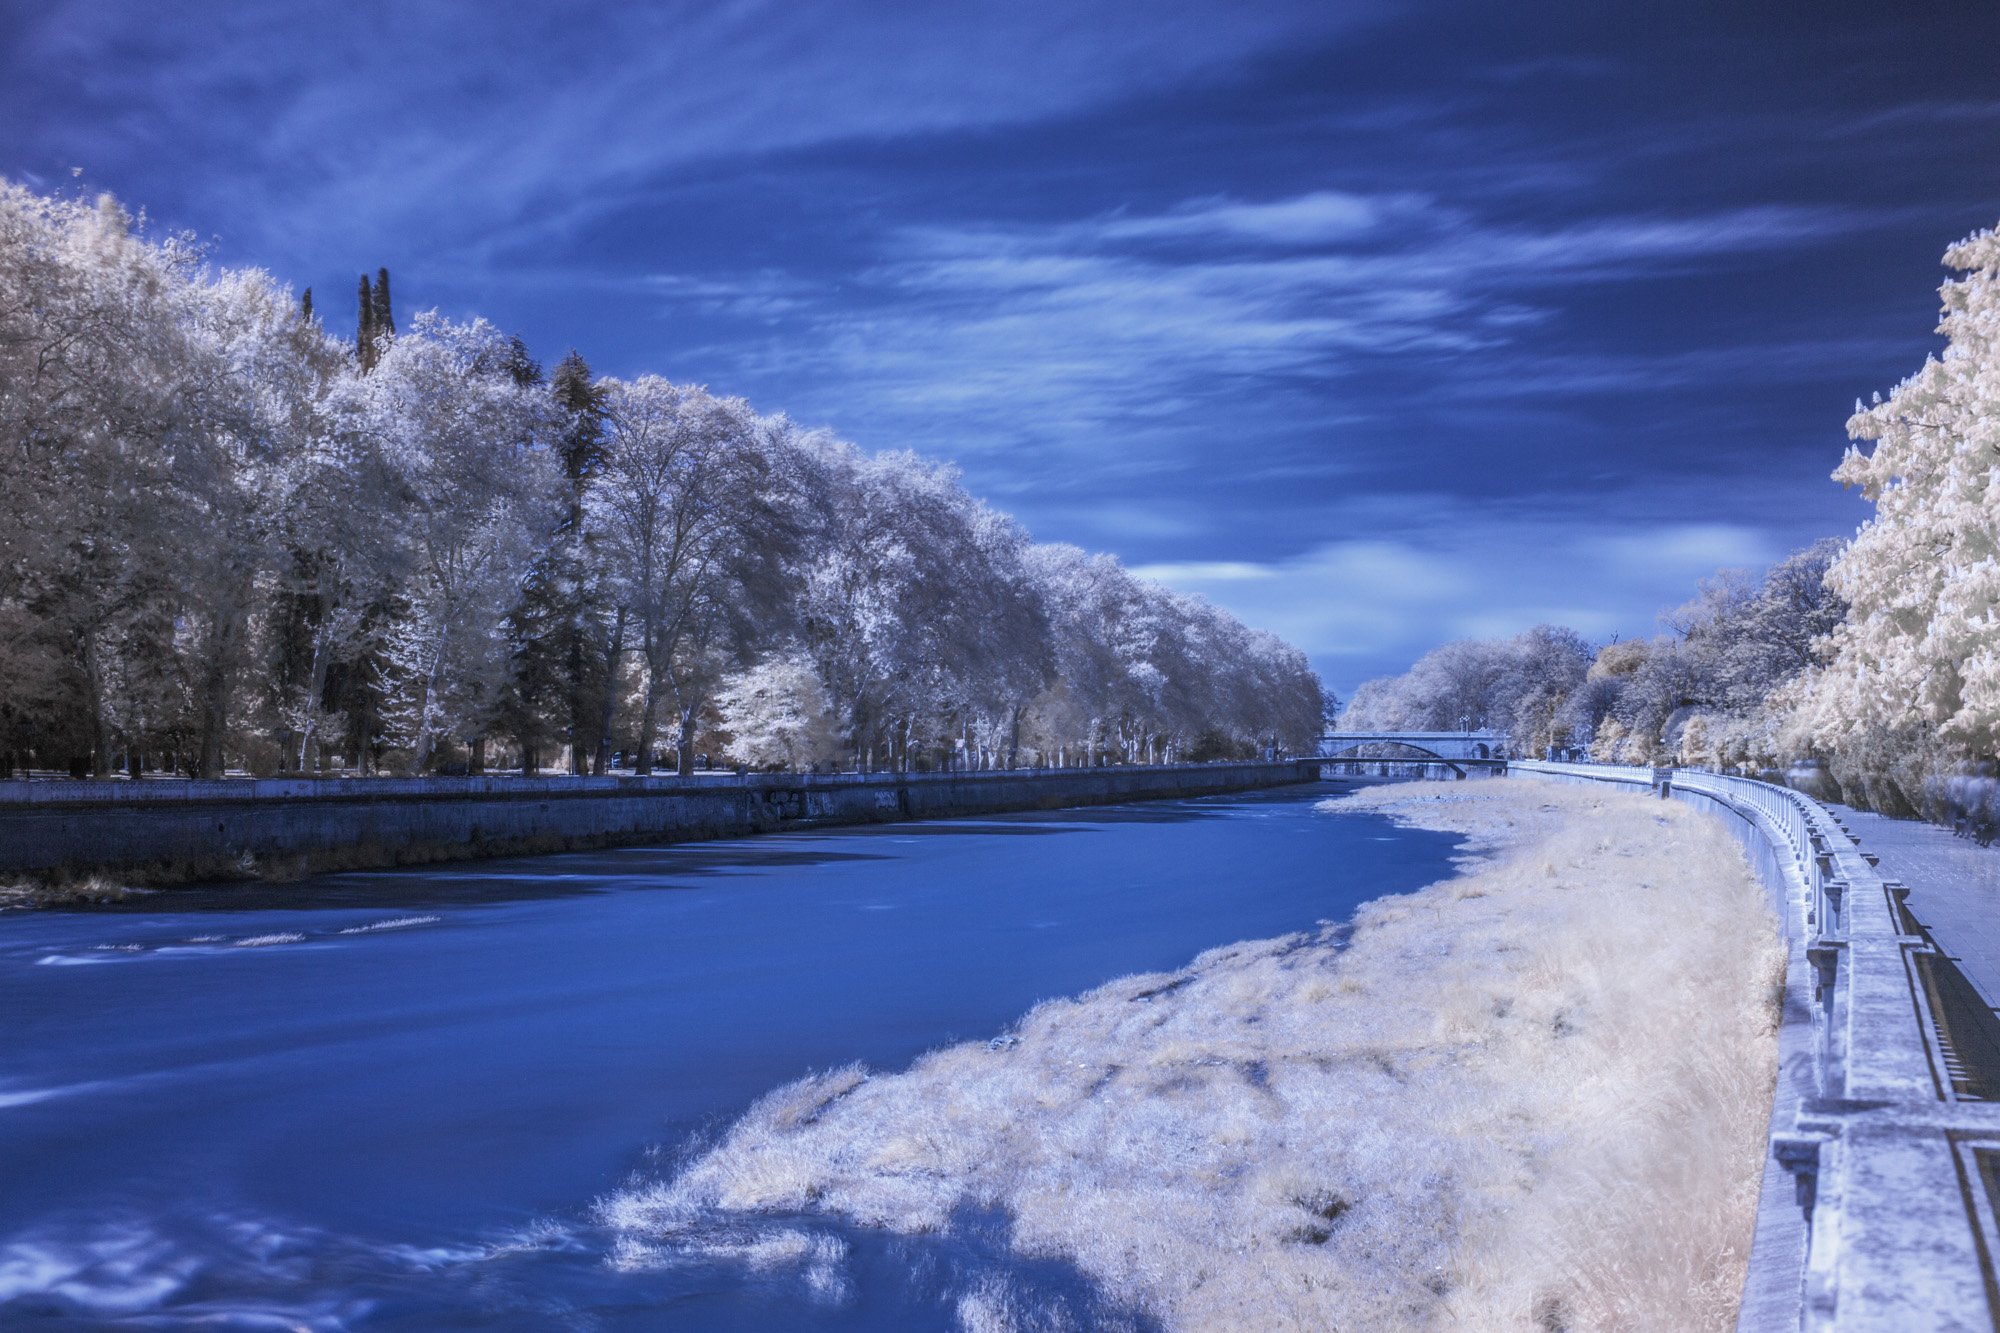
column 1875, row 658
column 1701, row 692
column 230, row 539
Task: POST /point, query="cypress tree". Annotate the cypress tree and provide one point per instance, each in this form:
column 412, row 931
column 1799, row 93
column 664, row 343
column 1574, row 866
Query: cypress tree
column 306, row 306
column 385, row 318
column 364, row 332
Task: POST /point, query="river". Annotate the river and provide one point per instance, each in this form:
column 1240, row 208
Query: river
column 388, row 1100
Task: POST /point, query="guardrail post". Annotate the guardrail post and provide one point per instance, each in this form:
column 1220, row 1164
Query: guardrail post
column 1799, row 1155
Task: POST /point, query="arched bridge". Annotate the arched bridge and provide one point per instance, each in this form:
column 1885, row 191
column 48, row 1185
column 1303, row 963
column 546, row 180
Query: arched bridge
column 1459, row 750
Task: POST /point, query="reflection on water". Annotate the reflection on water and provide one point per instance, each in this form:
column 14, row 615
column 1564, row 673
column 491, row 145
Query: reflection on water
column 389, row 1100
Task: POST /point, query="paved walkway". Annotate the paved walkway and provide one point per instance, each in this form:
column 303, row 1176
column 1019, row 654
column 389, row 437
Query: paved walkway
column 1954, row 888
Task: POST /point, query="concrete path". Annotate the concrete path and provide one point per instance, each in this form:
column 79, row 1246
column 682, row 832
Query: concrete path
column 1954, row 888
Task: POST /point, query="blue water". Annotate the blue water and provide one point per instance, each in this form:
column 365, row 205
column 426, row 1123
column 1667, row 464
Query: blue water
column 388, row 1100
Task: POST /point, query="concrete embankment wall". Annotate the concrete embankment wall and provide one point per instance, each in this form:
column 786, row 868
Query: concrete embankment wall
column 178, row 830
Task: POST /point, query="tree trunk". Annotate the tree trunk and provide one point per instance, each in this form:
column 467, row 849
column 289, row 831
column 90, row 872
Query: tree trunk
column 475, row 760
column 315, row 696
column 649, row 719
column 100, row 718
column 613, row 650
column 224, row 628
column 578, row 705
column 427, row 709
column 685, row 755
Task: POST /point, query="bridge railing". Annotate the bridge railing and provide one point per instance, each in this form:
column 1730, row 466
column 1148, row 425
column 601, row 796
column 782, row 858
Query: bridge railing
column 1887, row 1219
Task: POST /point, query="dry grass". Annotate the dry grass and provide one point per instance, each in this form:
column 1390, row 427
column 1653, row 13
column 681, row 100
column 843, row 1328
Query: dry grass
column 66, row 891
column 1532, row 1097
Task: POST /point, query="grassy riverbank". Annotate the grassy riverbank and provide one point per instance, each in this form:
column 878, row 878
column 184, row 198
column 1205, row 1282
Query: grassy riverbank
column 1532, row 1096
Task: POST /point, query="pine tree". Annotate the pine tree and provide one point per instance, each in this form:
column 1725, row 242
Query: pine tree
column 521, row 365
column 533, row 699
column 357, row 685
column 582, row 443
column 590, row 647
column 556, row 629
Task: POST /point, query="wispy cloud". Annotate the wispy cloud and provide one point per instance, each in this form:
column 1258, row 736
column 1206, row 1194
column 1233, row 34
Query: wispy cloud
column 365, row 120
column 1208, row 571
column 764, row 295
column 1371, row 604
column 1059, row 332
column 1318, row 218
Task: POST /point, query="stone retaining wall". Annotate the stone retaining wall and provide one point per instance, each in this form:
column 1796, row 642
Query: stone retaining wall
column 175, row 830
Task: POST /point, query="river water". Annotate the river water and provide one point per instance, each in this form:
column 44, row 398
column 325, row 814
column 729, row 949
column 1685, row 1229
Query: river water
column 388, row 1100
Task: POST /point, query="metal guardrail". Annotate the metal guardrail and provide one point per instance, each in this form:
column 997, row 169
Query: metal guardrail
column 1880, row 1118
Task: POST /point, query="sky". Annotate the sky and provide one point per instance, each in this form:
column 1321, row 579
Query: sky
column 1379, row 322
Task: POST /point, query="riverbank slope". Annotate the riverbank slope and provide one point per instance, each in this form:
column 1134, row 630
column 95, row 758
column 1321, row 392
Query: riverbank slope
column 1532, row 1096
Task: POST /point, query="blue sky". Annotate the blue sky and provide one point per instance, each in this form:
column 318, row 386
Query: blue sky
column 1380, row 323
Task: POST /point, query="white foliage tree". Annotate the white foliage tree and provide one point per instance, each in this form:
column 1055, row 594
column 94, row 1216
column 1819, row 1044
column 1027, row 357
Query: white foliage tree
column 465, row 442
column 685, row 507
column 1523, row 685
column 779, row 715
column 264, row 375
column 1914, row 669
